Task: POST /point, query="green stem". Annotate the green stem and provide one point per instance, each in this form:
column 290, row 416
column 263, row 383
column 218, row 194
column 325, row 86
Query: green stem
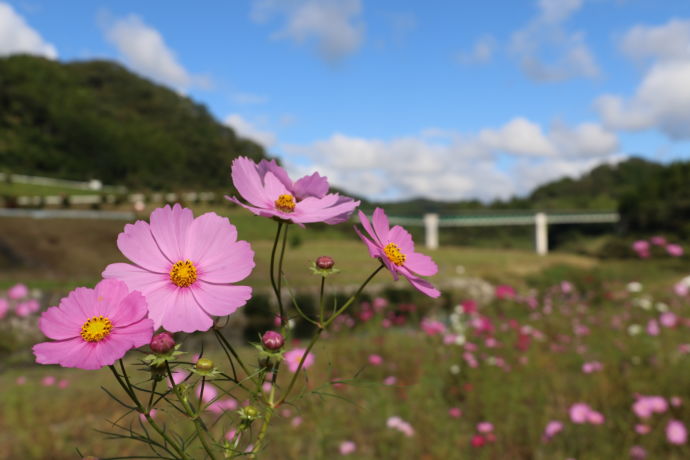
column 154, row 425
column 198, row 424
column 224, row 342
column 299, row 367
column 321, row 299
column 276, row 288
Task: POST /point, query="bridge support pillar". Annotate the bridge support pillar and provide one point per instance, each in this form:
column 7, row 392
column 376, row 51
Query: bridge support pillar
column 541, row 233
column 431, row 230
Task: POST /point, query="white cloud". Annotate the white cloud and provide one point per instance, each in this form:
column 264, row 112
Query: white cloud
column 246, row 129
column 662, row 99
column 481, row 52
column 669, row 41
column 546, row 35
column 143, row 48
column 519, row 136
column 335, row 26
column 462, row 166
column 17, row 37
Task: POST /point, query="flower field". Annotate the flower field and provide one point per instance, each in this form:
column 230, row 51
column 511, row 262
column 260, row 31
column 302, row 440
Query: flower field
column 565, row 363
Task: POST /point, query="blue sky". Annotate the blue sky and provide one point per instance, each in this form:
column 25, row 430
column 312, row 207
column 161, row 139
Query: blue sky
column 397, row 99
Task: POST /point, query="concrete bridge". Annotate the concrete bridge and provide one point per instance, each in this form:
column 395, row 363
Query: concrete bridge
column 540, row 220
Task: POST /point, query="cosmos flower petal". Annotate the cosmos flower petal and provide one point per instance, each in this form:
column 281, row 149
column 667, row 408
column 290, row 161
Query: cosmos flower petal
column 274, row 188
column 169, row 228
column 374, row 250
column 135, row 335
column 323, row 209
column 109, row 293
column 263, row 212
column 136, row 278
column 402, row 238
column 67, row 353
column 420, row 264
column 364, row 220
column 132, row 308
column 314, row 185
column 423, row 286
column 55, row 325
column 185, row 314
column 247, row 181
column 381, row 227
column 221, row 258
column 138, row 245
column 220, row 299
column 266, row 166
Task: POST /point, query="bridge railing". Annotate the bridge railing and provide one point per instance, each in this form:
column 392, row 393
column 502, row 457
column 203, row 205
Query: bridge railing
column 540, row 220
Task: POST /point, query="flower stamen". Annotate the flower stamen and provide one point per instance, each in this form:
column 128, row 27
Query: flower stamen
column 394, row 255
column 96, row 328
column 285, row 203
column 183, row 273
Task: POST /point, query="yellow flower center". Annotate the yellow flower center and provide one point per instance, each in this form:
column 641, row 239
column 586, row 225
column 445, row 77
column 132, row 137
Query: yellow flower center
column 96, row 329
column 183, row 273
column 285, row 203
column 394, row 255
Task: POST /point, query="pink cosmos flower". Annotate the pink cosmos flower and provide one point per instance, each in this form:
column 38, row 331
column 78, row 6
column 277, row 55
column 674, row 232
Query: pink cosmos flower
column 552, row 429
column 674, row 250
column 294, row 356
column 432, row 327
column 485, row 427
column 184, row 267
column 18, row 291
column 658, row 240
column 504, row 291
column 395, row 248
column 668, row 319
column 455, row 412
column 93, row 328
column 401, row 425
column 676, row 433
column 579, row 412
column 375, row 360
column 641, row 246
column 347, row 447
column 638, row 453
column 48, row 381
column 271, row 193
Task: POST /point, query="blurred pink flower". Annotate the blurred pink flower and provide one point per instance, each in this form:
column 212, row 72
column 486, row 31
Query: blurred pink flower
column 658, row 240
column 579, row 412
column 62, row 384
column 674, row 250
column 592, row 366
column 642, row 429
column 296, row 421
column 401, row 425
column 566, row 287
column 21, row 380
column 668, row 319
column 375, row 360
column 432, row 327
column 638, row 453
column 390, row 380
column 485, row 427
column 185, row 266
column 48, row 380
column 504, row 291
column 152, row 414
column 552, row 429
column 595, row 418
column 676, row 432
column 347, row 447
column 294, row 356
column 653, row 327
column 395, row 249
column 641, row 246
column 455, row 412
column 645, row 406
column 18, row 291
column 676, row 401
column 23, row 310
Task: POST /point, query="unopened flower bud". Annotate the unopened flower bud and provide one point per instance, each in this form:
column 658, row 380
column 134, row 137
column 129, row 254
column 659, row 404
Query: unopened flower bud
column 162, row 343
column 325, row 262
column 204, row 364
column 272, row 340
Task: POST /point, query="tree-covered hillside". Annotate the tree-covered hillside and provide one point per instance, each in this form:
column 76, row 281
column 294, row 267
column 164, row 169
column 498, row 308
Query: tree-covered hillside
column 95, row 119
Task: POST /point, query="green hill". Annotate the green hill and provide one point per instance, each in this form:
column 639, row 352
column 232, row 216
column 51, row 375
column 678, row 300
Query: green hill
column 95, row 119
